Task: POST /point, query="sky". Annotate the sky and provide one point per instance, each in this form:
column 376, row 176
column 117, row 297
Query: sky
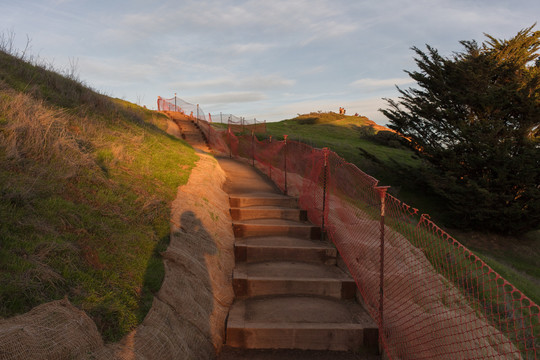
column 263, row 59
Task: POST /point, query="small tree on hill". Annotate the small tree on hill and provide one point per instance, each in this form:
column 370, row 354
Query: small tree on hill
column 475, row 117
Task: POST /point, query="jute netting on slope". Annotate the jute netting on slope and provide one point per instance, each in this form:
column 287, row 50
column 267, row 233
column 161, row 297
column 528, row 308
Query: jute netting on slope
column 432, row 297
column 56, row 330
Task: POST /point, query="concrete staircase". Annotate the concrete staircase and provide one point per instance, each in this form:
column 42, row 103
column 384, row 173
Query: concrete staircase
column 290, row 294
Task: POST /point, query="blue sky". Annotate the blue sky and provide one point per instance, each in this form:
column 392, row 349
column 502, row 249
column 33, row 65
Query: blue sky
column 259, row 59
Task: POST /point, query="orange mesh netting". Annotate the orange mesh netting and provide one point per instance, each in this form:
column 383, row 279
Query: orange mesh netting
column 431, row 297
column 179, row 105
column 241, row 125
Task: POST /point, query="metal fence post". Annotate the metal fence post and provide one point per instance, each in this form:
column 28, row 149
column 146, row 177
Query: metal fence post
column 325, row 174
column 253, row 148
column 381, row 190
column 285, row 165
column 270, row 164
column 230, row 141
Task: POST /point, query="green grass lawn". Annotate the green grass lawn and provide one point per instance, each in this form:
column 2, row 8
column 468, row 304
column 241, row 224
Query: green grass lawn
column 394, row 165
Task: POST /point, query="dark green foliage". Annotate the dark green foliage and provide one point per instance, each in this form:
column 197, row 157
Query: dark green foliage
column 367, row 132
column 475, row 118
column 388, row 138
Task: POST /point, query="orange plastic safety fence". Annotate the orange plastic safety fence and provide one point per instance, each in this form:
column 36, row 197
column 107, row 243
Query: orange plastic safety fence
column 179, row 105
column 431, row 297
column 270, row 159
column 241, row 125
column 248, row 128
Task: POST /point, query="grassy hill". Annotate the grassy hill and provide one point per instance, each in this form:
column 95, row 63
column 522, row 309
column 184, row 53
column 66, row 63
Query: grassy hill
column 85, row 187
column 382, row 155
column 373, row 148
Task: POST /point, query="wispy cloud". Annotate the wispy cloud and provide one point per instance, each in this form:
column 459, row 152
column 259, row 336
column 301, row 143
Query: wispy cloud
column 255, row 82
column 376, row 84
column 252, row 47
column 230, row 97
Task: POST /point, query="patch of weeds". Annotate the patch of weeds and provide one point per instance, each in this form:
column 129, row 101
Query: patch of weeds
column 103, row 158
column 213, row 216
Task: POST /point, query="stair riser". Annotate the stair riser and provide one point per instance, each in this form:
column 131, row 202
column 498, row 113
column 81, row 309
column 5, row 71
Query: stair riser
column 258, row 254
column 305, row 232
column 252, row 214
column 335, row 339
column 244, row 288
column 281, row 202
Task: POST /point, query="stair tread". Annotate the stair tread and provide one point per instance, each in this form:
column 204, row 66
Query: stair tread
column 259, row 195
column 266, row 207
column 273, row 222
column 290, row 270
column 300, row 311
column 230, row 353
column 283, row 242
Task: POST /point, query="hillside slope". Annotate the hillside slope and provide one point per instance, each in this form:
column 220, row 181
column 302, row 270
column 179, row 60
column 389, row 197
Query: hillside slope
column 382, row 154
column 86, row 184
column 373, row 148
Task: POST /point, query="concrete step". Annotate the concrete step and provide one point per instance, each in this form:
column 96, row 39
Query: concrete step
column 262, row 199
column 268, row 212
column 268, row 248
column 230, row 353
column 296, row 322
column 291, row 278
column 275, row 227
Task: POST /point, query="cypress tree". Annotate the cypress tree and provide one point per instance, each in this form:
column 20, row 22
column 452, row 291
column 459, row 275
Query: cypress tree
column 475, row 117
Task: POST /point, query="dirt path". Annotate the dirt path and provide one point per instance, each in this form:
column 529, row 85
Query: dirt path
column 244, row 179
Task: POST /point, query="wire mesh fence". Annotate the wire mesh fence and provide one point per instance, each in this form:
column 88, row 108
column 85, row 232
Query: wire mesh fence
column 195, row 112
column 431, row 297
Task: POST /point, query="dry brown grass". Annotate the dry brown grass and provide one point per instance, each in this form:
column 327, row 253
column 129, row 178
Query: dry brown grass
column 43, row 135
